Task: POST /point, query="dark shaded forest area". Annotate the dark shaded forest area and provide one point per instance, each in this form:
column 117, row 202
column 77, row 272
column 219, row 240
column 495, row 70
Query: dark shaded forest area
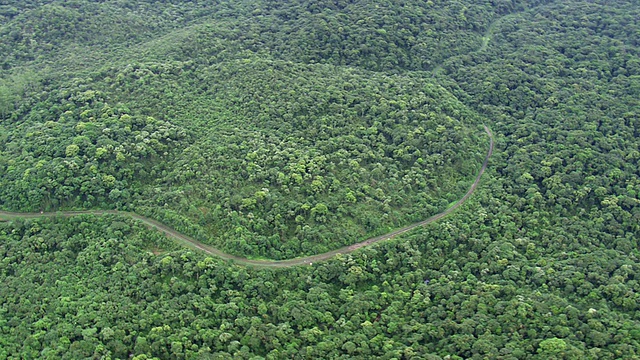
column 273, row 129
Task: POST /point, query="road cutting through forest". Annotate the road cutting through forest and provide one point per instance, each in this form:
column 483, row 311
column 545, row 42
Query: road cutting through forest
column 307, row 260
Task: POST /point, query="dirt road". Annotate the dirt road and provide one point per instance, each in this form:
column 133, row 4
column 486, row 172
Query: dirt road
column 307, row 260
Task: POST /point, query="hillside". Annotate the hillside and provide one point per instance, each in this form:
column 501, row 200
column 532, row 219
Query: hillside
column 274, row 130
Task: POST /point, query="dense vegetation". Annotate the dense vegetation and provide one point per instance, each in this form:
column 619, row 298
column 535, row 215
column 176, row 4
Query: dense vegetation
column 275, row 159
column 277, row 129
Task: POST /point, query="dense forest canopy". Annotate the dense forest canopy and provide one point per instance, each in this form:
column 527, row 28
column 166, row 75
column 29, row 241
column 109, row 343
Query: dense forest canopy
column 273, row 129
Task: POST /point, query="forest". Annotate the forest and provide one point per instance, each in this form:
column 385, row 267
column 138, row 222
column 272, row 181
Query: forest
column 279, row 129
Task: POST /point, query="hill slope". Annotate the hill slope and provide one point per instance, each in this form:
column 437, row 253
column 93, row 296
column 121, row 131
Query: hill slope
column 235, row 121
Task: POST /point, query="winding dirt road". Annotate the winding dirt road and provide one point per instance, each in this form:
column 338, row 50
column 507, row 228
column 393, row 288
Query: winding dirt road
column 308, row 260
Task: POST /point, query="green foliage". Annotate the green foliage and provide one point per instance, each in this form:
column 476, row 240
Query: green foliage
column 79, row 151
column 277, row 129
column 276, row 159
column 552, row 347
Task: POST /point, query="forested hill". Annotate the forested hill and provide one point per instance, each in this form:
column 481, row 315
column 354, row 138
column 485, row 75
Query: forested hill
column 413, row 34
column 273, row 129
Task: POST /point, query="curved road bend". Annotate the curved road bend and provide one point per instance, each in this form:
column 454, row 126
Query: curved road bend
column 307, row 260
